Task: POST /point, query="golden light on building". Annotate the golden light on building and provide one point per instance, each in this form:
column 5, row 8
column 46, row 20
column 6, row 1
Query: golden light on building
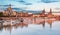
column 15, row 13
column 43, row 13
column 9, row 9
column 5, row 13
column 36, row 15
column 50, row 15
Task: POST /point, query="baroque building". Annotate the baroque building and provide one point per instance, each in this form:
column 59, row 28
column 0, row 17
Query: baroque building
column 50, row 15
column 9, row 12
column 43, row 13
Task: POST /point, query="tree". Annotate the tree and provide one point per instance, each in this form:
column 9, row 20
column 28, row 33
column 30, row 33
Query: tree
column 1, row 14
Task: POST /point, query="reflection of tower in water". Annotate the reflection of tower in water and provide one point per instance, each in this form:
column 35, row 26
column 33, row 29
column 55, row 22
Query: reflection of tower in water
column 22, row 23
column 1, row 26
column 21, row 20
column 50, row 23
column 9, row 28
column 43, row 24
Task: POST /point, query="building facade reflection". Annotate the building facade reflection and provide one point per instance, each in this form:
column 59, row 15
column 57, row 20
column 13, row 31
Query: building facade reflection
column 25, row 22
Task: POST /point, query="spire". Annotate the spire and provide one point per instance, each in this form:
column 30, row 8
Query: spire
column 50, row 10
column 9, row 5
column 9, row 8
column 43, row 11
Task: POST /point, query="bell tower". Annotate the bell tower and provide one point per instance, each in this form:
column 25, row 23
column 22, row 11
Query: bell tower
column 9, row 8
column 50, row 11
column 43, row 11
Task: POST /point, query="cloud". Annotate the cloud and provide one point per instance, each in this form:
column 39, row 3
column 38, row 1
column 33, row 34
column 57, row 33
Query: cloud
column 24, row 2
column 49, row 1
column 32, row 5
column 18, row 9
column 5, row 5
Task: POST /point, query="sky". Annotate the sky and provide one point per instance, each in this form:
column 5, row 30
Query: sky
column 32, row 5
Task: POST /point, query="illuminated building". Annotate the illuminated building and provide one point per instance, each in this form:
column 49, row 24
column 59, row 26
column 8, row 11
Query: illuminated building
column 50, row 15
column 43, row 13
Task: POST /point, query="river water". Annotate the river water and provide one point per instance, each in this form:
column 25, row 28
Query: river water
column 30, row 27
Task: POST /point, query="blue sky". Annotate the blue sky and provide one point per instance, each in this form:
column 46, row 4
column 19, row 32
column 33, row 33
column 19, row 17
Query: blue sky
column 33, row 5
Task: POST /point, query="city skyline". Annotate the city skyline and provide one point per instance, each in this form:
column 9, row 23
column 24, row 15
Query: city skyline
column 29, row 17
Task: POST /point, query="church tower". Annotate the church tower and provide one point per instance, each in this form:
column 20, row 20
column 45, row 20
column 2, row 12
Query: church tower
column 50, row 11
column 43, row 11
column 9, row 8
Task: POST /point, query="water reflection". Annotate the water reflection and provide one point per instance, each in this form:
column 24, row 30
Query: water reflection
column 24, row 22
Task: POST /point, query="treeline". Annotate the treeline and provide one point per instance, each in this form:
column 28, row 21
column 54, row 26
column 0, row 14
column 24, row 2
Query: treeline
column 2, row 15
